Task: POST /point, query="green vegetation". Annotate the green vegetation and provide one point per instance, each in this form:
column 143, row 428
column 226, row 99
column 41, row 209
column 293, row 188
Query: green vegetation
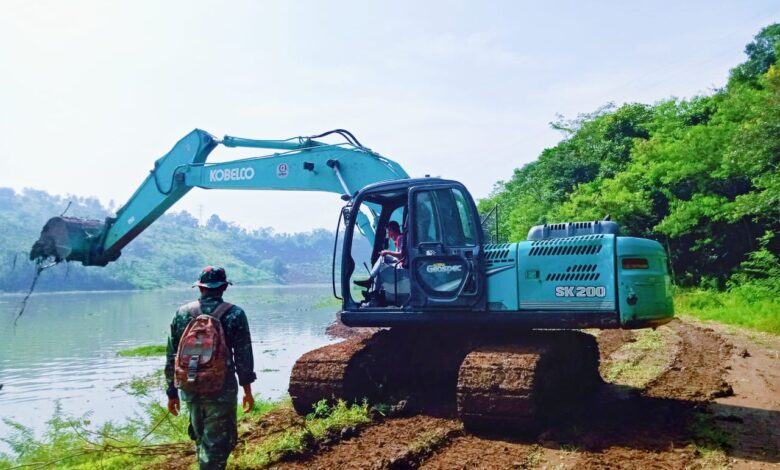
column 710, row 441
column 141, row 386
column 152, row 436
column 155, row 436
column 701, row 176
column 322, row 423
column 751, row 298
column 143, row 351
column 72, row 443
column 735, row 307
column 637, row 363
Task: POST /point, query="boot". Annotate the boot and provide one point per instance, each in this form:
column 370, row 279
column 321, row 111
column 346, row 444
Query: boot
column 364, row 283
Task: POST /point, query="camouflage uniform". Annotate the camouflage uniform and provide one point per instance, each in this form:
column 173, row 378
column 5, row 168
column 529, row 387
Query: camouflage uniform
column 213, row 418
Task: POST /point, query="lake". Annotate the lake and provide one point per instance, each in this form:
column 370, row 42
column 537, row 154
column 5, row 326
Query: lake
column 65, row 346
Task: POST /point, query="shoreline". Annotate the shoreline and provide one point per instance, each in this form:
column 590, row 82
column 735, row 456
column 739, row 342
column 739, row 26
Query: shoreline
column 162, row 289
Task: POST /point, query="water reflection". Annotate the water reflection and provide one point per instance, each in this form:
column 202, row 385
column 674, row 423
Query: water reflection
column 64, row 347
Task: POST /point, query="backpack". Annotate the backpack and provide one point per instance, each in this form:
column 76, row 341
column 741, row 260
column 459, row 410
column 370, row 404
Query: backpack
column 202, row 357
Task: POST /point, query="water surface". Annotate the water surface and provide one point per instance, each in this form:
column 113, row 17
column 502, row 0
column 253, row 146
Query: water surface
column 65, row 346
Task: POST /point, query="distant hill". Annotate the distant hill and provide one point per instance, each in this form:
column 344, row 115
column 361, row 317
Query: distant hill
column 170, row 252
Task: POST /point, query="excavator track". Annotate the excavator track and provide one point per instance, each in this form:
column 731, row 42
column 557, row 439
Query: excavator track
column 388, row 366
column 503, row 386
column 496, row 380
column 322, row 373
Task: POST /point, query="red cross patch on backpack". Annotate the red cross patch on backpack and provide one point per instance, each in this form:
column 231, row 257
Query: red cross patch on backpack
column 201, row 360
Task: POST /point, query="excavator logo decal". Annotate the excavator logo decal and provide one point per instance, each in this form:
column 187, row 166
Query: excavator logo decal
column 580, row 291
column 232, row 174
column 282, row 170
column 444, row 268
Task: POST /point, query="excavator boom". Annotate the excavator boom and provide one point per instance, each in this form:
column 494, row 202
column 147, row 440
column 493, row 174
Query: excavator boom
column 303, row 165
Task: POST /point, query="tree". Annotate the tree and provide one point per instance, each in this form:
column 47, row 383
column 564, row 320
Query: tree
column 762, row 53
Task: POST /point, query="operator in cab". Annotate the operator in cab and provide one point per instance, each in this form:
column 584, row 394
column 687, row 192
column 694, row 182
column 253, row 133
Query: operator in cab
column 387, row 259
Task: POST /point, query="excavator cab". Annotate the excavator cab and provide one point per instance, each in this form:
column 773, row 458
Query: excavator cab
column 441, row 264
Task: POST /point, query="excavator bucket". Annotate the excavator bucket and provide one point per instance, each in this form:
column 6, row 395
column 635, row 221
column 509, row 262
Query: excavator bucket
column 70, row 239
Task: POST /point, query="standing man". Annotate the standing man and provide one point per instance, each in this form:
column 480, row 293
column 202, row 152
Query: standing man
column 213, row 415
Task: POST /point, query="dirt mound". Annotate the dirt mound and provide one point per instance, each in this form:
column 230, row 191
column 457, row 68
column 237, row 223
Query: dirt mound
column 699, row 368
column 339, row 330
column 612, row 340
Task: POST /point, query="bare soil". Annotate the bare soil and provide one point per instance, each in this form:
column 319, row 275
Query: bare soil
column 717, row 405
column 339, row 330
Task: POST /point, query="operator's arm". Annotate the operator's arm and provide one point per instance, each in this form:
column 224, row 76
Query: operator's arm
column 394, row 254
column 399, row 253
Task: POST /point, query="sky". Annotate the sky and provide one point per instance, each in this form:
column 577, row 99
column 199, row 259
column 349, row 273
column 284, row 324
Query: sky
column 92, row 92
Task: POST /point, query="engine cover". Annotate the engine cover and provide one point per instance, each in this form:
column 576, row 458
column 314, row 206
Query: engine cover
column 573, row 229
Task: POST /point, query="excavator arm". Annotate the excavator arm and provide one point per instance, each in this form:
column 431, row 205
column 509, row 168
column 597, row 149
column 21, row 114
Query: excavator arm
column 303, row 164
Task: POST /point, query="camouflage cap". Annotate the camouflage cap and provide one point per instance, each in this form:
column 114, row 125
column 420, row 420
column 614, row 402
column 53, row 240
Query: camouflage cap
column 212, row 277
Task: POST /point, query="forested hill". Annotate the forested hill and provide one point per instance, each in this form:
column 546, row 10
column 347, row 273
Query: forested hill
column 699, row 175
column 172, row 251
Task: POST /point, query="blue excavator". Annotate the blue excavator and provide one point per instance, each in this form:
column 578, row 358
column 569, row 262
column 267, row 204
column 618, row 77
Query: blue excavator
column 490, row 330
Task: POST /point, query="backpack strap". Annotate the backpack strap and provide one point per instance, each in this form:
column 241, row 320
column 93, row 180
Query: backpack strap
column 221, row 310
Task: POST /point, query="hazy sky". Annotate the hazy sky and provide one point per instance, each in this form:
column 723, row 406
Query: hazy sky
column 92, row 92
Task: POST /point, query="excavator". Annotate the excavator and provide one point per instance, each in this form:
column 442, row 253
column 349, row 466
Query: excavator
column 490, row 330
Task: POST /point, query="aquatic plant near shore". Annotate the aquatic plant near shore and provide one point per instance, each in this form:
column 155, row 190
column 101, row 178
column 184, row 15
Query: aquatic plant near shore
column 152, row 436
column 143, row 351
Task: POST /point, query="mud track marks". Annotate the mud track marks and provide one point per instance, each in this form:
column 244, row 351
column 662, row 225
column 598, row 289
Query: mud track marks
column 698, row 369
column 396, row 443
column 622, row 427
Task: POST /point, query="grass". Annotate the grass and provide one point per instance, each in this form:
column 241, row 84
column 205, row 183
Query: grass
column 321, row 424
column 152, row 436
column 144, row 351
column 427, row 441
column 534, row 458
column 746, row 306
column 710, row 442
column 143, row 385
column 570, row 448
column 73, row 443
column 637, row 363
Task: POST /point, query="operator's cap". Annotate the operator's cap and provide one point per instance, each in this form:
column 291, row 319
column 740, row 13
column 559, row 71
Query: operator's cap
column 212, row 277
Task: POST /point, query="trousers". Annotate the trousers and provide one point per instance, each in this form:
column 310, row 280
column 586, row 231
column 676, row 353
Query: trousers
column 213, row 428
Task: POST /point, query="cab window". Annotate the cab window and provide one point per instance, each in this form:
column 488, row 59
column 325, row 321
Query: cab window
column 443, row 215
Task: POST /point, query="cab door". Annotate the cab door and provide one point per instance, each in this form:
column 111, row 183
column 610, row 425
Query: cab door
column 445, row 248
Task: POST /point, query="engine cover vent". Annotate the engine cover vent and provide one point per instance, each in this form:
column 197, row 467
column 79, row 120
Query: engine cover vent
column 498, row 254
column 572, row 229
column 587, row 245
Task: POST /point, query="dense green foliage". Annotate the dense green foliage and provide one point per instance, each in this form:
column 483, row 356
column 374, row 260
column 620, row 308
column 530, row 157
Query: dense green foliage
column 170, row 252
column 700, row 175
